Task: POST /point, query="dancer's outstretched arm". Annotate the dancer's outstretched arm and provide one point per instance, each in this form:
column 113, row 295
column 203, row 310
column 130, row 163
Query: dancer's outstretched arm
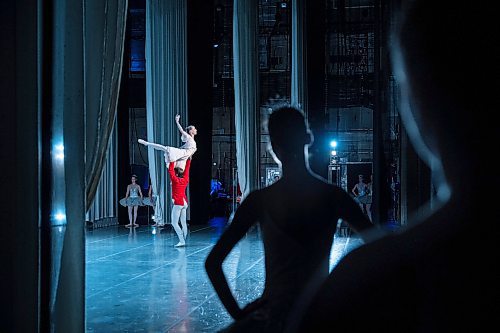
column 183, row 132
column 153, row 145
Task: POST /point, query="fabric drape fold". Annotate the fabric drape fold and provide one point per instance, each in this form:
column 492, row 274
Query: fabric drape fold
column 298, row 89
column 166, row 90
column 105, row 204
column 61, row 233
column 104, row 36
column 246, row 90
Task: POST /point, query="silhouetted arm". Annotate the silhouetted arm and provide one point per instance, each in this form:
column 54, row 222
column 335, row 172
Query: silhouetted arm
column 243, row 219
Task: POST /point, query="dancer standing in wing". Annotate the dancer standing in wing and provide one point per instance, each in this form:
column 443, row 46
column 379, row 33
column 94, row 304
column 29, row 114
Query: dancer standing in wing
column 133, row 199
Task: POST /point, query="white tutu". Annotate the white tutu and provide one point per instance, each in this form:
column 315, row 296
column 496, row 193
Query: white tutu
column 174, row 154
column 178, row 155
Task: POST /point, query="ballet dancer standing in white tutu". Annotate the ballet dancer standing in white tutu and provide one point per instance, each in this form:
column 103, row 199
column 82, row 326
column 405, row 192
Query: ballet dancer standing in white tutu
column 174, row 154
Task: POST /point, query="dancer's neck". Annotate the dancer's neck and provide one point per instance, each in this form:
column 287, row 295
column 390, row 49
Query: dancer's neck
column 295, row 168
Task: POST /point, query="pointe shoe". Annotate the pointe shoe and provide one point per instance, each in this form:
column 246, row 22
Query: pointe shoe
column 180, row 244
column 141, row 141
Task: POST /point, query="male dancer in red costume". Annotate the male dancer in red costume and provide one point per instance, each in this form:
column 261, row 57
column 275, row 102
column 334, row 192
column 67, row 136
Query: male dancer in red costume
column 180, row 181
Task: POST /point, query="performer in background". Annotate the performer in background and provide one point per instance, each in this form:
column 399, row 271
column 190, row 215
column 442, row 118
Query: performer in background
column 133, row 199
column 181, row 154
column 180, row 180
column 150, row 200
column 360, row 192
column 368, row 201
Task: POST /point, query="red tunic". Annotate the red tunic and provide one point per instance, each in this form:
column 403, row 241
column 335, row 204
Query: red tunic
column 179, row 184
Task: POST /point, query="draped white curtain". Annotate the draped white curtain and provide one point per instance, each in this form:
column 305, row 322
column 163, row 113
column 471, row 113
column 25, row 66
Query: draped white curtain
column 166, row 90
column 104, row 36
column 298, row 92
column 246, row 90
column 105, row 203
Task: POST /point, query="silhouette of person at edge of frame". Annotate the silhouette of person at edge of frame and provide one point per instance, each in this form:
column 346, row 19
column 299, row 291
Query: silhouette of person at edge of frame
column 419, row 279
column 298, row 217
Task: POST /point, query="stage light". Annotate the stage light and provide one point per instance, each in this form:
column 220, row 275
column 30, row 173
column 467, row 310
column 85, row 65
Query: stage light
column 60, row 216
column 333, row 144
column 334, row 153
column 59, row 151
column 216, row 45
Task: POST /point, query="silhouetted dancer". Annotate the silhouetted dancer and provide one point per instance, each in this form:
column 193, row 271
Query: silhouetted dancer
column 298, row 216
column 431, row 275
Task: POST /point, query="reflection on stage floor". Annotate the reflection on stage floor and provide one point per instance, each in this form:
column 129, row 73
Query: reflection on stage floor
column 137, row 281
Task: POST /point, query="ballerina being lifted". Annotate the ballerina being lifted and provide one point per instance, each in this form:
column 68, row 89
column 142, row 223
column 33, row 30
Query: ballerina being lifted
column 174, row 154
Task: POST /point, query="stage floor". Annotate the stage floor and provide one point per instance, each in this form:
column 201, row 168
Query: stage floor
column 137, row 281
